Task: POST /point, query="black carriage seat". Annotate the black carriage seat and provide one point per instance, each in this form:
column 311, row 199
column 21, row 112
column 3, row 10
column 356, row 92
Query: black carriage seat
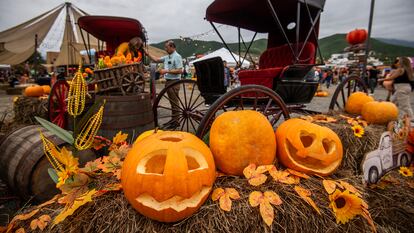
column 276, row 71
column 210, row 78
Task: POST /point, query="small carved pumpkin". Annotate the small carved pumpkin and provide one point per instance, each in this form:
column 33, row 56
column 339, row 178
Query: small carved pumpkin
column 167, row 176
column 356, row 101
column 239, row 138
column 33, row 91
column 379, row 112
column 308, row 147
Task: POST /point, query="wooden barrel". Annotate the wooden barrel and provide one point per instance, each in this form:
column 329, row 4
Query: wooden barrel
column 23, row 165
column 129, row 114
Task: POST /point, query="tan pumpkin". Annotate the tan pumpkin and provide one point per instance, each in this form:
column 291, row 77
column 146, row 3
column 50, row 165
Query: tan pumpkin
column 308, row 147
column 380, row 112
column 46, row 89
column 239, row 138
column 167, row 176
column 356, row 101
column 33, row 91
column 321, row 94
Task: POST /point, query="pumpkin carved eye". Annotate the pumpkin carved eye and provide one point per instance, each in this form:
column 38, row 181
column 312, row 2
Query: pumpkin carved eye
column 328, row 145
column 307, row 139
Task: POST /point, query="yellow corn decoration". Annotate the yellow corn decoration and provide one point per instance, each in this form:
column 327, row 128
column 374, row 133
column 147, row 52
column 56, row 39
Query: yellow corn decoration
column 77, row 94
column 85, row 139
column 50, row 149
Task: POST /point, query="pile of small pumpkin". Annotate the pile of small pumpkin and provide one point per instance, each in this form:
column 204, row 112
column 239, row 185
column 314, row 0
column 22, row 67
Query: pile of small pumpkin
column 168, row 175
column 374, row 112
column 37, row 91
column 118, row 59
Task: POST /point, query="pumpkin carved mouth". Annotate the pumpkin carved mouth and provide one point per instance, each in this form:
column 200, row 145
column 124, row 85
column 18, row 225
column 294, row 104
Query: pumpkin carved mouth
column 176, row 203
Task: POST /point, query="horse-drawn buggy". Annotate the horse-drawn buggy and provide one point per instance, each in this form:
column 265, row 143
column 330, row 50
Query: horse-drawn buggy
column 277, row 89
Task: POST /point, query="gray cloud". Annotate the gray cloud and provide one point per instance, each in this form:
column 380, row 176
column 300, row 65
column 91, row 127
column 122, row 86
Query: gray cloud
column 171, row 19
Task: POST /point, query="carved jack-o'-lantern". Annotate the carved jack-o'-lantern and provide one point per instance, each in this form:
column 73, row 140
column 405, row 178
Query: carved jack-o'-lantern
column 167, row 176
column 308, row 147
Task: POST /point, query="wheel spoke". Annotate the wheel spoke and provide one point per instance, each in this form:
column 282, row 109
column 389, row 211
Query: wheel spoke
column 172, row 102
column 343, row 97
column 192, row 124
column 191, row 96
column 178, row 97
column 185, row 96
column 195, row 101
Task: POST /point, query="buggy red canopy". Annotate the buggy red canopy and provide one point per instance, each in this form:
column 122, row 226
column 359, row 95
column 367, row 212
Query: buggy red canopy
column 112, row 30
column 256, row 15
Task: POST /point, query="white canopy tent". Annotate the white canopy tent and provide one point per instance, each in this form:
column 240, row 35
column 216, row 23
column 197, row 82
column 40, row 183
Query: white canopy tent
column 225, row 56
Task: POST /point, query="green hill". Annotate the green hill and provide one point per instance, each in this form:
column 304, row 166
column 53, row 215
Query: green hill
column 328, row 45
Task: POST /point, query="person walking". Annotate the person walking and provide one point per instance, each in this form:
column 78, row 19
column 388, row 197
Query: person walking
column 373, row 77
column 227, row 75
column 402, row 78
column 172, row 70
column 328, row 79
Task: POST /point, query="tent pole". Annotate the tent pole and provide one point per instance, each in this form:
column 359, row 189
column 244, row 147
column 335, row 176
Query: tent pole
column 238, row 32
column 67, row 37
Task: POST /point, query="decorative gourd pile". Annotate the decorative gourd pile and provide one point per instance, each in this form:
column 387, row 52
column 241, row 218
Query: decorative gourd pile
column 37, row 91
column 359, row 103
column 118, row 59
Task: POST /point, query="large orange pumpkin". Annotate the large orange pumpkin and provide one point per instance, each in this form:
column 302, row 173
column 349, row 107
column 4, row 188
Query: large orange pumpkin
column 379, row 112
column 239, row 138
column 167, row 176
column 356, row 101
column 357, row 36
column 308, row 147
column 33, row 91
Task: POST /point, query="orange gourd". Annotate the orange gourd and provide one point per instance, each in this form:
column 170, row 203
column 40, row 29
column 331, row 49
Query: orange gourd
column 356, row 101
column 46, row 89
column 167, row 176
column 308, row 147
column 239, row 138
column 379, row 112
column 33, row 91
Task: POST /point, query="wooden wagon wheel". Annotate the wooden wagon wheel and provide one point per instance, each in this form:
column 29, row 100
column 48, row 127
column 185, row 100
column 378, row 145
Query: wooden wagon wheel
column 133, row 82
column 261, row 99
column 190, row 107
column 344, row 90
column 57, row 105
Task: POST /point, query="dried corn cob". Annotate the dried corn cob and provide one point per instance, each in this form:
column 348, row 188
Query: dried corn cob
column 77, row 94
column 85, row 138
column 50, row 150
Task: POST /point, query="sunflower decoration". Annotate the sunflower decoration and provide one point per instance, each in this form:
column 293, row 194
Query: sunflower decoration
column 345, row 205
column 358, row 130
column 405, row 171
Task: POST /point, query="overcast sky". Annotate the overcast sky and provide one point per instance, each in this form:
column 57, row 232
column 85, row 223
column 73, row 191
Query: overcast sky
column 165, row 19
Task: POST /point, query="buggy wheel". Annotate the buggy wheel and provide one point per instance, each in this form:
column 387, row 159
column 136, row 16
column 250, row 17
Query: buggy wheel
column 133, row 82
column 344, row 90
column 57, row 105
column 260, row 98
column 184, row 114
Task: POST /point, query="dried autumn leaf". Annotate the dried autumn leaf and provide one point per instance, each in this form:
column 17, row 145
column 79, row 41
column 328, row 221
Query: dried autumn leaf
column 282, row 177
column 266, row 211
column 368, row 217
column 307, row 118
column 225, row 202
column 33, row 224
column 40, row 223
column 23, row 217
column 410, row 184
column 92, row 166
column 119, row 138
column 20, row 230
column 329, row 185
column 233, row 194
column 273, row 198
column 217, row 193
column 253, row 176
column 255, row 198
column 87, row 197
column 298, row 174
column 304, row 194
column 350, row 187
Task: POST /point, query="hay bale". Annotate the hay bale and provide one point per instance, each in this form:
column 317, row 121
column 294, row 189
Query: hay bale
column 355, row 148
column 112, row 213
column 25, row 108
column 393, row 206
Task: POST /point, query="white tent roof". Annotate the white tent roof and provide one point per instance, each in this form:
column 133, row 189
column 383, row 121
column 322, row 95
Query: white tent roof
column 225, row 56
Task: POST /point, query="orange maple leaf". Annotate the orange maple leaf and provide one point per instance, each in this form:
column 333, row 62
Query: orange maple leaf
column 224, row 195
column 264, row 200
column 329, row 185
column 40, row 222
column 305, row 195
column 255, row 176
column 283, row 176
